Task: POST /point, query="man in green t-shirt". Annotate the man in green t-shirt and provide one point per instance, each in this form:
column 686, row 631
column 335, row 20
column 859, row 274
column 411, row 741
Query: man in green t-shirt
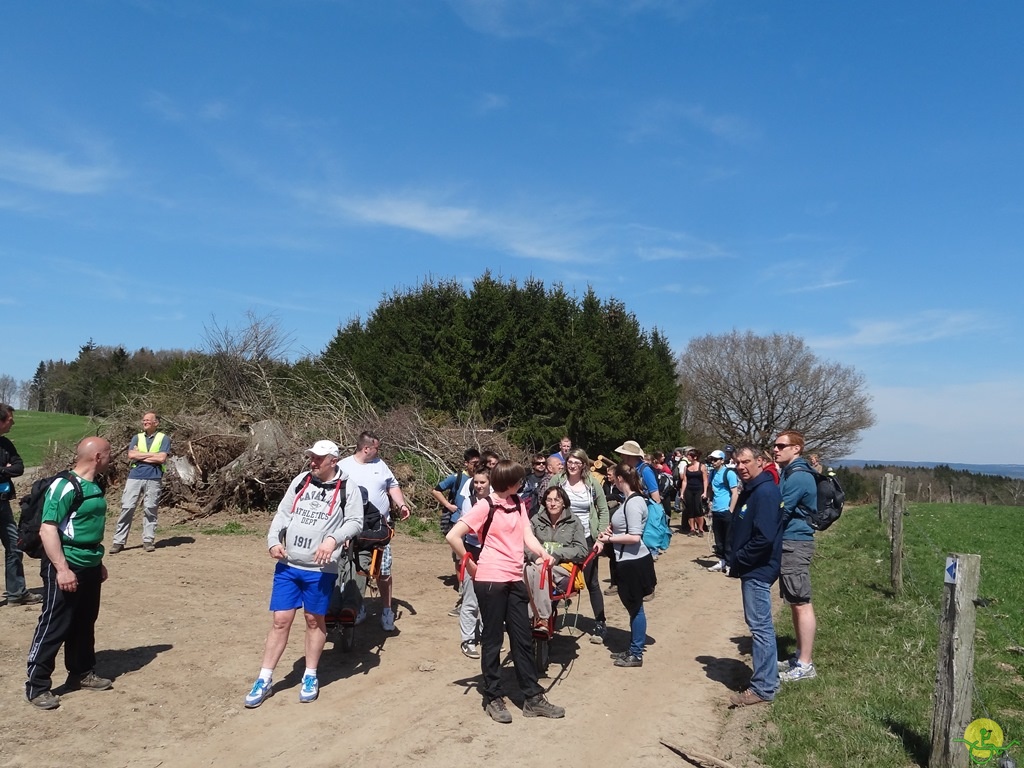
column 72, row 571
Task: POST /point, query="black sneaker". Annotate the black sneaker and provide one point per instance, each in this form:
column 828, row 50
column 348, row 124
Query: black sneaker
column 600, row 632
column 498, row 711
column 630, row 661
column 90, row 681
column 45, row 700
column 539, row 706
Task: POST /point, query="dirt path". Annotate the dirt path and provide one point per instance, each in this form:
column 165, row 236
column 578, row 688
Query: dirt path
column 182, row 630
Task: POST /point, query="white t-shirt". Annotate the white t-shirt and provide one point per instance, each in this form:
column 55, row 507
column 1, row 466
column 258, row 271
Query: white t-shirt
column 376, row 478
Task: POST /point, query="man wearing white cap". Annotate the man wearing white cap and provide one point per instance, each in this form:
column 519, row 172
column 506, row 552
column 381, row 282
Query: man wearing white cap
column 320, row 511
column 723, row 491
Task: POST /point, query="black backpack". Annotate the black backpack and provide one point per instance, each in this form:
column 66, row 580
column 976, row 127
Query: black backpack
column 831, row 498
column 31, row 519
column 666, row 485
column 376, row 531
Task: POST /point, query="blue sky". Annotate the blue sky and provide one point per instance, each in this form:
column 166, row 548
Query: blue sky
column 852, row 173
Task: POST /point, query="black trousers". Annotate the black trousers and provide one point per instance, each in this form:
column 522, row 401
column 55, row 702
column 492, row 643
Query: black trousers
column 505, row 605
column 68, row 619
column 592, row 579
column 720, row 523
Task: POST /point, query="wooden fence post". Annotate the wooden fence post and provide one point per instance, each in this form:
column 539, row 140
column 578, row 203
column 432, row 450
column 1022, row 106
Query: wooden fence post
column 896, row 548
column 954, row 678
column 884, row 498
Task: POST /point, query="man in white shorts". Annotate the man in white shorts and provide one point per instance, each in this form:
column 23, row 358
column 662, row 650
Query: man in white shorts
column 366, row 469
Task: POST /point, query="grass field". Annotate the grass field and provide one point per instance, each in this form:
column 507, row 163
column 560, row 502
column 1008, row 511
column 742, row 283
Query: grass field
column 35, row 433
column 876, row 654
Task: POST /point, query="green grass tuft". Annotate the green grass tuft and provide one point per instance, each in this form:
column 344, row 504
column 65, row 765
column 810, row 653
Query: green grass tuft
column 876, row 654
column 231, row 528
column 34, row 433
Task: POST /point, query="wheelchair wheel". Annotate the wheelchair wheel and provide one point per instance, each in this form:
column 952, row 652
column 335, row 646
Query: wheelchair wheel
column 540, row 655
column 348, row 639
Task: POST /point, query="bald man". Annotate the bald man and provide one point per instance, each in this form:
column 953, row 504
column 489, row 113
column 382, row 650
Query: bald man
column 73, row 518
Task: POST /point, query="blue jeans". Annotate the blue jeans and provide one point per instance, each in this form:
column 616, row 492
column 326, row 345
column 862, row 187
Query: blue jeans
column 638, row 631
column 757, row 612
column 14, row 570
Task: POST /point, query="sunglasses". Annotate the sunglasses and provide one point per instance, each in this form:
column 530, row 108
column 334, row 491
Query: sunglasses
column 780, row 446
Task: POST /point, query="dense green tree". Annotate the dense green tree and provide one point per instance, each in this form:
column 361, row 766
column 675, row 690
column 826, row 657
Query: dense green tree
column 528, row 358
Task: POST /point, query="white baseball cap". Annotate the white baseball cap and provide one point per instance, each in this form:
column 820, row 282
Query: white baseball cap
column 716, row 455
column 324, row 448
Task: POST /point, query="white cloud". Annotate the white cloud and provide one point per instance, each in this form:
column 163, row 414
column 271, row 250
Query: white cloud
column 53, row 171
column 544, row 18
column 552, row 238
column 491, row 102
column 976, row 423
column 665, row 118
column 926, row 326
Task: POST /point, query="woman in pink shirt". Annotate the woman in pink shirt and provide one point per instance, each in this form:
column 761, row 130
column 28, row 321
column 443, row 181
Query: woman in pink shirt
column 500, row 523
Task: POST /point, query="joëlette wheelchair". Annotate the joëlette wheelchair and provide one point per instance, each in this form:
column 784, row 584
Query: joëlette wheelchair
column 544, row 631
column 359, row 565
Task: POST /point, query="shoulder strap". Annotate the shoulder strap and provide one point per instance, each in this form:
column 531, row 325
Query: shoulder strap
column 299, row 491
column 453, row 493
column 487, row 525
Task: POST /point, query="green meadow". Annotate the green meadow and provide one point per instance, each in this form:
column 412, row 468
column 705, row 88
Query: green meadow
column 876, row 652
column 34, row 434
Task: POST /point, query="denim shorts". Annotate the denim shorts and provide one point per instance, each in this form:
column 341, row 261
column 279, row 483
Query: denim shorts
column 296, row 588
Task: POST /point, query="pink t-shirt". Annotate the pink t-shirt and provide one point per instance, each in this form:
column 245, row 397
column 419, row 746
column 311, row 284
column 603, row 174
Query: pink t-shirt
column 501, row 559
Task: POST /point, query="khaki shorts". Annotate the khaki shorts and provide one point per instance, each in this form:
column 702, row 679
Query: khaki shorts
column 795, row 578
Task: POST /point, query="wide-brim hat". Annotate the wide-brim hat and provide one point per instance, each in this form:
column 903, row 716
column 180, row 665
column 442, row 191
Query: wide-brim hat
column 630, row 448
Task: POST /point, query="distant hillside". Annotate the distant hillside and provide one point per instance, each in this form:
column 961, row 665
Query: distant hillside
column 1000, row 470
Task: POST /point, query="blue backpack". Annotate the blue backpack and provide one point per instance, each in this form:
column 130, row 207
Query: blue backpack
column 657, row 535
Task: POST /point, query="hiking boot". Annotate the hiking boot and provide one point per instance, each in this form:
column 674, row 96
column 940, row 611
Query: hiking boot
column 261, row 691
column 148, row 546
column 539, row 706
column 310, row 689
column 90, row 681
column 26, row 598
column 746, row 698
column 619, row 655
column 387, row 620
column 718, row 567
column 629, row 660
column 470, row 649
column 612, row 590
column 44, row 700
column 115, row 548
column 498, row 711
column 799, row 671
column 600, row 632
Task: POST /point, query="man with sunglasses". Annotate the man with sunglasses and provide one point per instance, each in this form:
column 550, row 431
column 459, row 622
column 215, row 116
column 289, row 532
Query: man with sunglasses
column 799, row 499
column 536, row 475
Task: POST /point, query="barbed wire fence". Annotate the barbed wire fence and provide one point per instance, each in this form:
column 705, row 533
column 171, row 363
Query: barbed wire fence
column 954, row 614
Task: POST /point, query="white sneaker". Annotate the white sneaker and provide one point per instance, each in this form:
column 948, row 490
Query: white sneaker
column 717, row 567
column 361, row 616
column 799, row 671
column 387, row 620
